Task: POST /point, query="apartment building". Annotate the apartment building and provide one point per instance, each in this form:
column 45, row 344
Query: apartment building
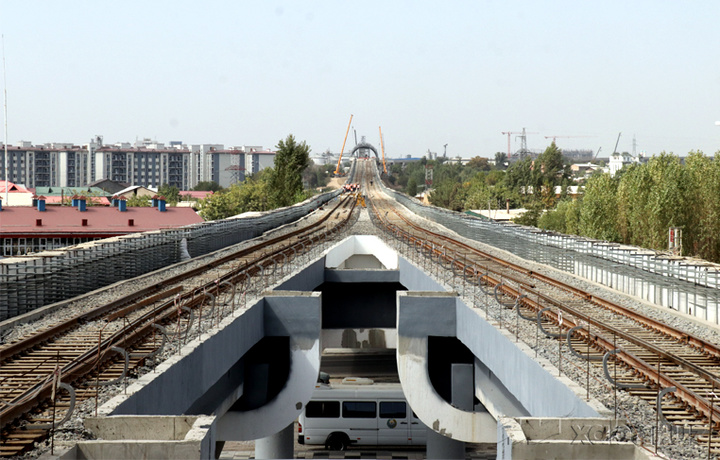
column 146, row 163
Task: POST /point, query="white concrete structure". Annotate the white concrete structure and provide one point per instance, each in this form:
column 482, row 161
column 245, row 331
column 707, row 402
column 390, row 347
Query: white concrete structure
column 221, row 377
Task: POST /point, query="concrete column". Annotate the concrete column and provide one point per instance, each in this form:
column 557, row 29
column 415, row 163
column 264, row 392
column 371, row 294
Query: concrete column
column 278, row 445
column 463, row 386
column 439, row 447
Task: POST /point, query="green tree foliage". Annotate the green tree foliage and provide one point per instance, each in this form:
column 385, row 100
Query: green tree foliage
column 291, row 159
column 448, row 194
column 316, row 176
column 478, row 164
column 207, row 186
column 650, row 199
column 565, row 218
column 500, row 160
column 412, row 187
column 249, row 195
column 599, row 209
column 170, row 192
column 702, row 234
column 549, row 168
column 519, row 177
column 138, row 201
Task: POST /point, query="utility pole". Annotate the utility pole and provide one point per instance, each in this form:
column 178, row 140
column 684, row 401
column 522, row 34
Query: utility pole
column 7, row 173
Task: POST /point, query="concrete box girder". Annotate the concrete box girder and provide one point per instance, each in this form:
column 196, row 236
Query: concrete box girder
column 204, row 362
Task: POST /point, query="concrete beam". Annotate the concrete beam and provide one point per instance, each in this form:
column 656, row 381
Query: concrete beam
column 297, row 315
column 421, row 315
column 494, row 395
column 181, row 380
column 361, row 245
column 532, row 382
column 361, row 276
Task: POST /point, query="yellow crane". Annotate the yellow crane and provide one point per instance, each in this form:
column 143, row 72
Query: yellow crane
column 337, row 170
column 382, row 146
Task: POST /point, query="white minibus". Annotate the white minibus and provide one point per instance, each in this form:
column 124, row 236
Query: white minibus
column 371, row 414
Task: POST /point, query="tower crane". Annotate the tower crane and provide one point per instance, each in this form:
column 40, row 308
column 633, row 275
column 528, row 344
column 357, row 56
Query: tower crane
column 337, row 169
column 555, row 137
column 523, row 137
column 382, row 146
column 616, row 143
column 509, row 133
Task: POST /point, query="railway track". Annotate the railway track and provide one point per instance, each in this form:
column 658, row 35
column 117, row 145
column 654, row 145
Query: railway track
column 101, row 347
column 671, row 369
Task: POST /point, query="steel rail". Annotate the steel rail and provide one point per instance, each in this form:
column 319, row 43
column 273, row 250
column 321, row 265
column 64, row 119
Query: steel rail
column 688, row 397
column 141, row 327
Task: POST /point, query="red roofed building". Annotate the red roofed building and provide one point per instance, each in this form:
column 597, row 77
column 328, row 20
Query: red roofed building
column 17, row 195
column 25, row 229
column 195, row 194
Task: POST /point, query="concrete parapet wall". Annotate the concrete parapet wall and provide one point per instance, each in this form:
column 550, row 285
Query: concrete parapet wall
column 152, row 438
column 140, row 427
column 563, row 438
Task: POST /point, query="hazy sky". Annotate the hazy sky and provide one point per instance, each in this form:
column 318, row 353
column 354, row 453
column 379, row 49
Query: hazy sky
column 430, row 73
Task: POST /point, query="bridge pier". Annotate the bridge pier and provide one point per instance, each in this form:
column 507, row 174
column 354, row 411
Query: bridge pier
column 439, row 446
column 278, row 445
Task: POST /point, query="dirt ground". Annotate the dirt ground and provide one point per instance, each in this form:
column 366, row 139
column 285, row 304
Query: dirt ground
column 337, row 182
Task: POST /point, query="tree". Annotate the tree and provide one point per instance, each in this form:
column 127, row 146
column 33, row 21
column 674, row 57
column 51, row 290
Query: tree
column 411, row 187
column 701, row 236
column 291, row 159
column 500, row 160
column 599, row 209
column 449, row 195
column 138, row 201
column 650, row 199
column 249, row 195
column 519, row 176
column 207, row 186
column 564, row 218
column 478, row 164
column 549, row 167
column 170, row 193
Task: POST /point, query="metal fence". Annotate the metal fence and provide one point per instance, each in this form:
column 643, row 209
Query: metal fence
column 688, row 285
column 32, row 281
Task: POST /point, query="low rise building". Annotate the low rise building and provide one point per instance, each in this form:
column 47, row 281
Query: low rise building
column 17, row 195
column 30, row 229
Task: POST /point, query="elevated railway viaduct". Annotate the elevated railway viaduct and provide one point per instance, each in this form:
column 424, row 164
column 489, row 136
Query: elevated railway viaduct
column 245, row 349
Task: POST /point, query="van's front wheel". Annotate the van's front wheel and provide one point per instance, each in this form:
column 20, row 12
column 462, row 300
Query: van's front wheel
column 337, row 441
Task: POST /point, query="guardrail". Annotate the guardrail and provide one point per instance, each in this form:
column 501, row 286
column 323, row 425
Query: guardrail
column 32, row 281
column 682, row 283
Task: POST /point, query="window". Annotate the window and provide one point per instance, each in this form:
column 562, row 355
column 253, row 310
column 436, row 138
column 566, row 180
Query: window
column 392, row 409
column 322, row 409
column 359, row 409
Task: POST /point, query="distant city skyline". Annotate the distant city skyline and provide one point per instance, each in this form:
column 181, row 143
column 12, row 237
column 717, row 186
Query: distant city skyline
column 430, row 73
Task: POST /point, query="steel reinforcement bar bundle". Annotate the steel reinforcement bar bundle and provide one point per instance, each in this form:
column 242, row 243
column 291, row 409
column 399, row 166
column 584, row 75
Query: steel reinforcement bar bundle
column 32, row 281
